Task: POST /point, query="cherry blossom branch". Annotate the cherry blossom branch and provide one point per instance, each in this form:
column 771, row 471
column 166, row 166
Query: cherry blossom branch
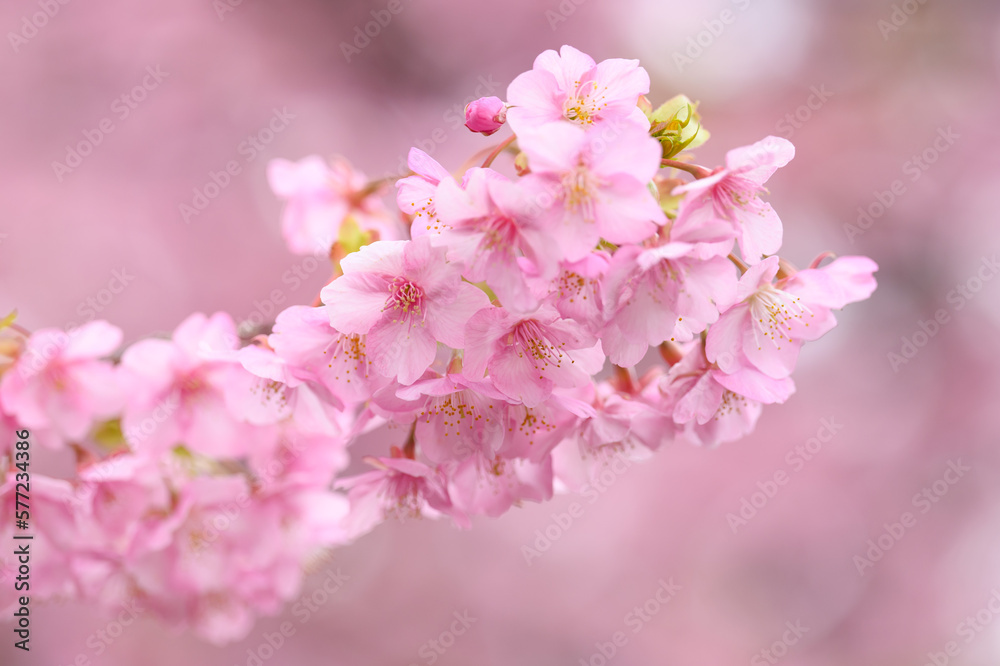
column 693, row 169
column 499, row 149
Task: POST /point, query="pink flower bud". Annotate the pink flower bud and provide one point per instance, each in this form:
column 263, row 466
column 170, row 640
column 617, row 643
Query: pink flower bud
column 485, row 115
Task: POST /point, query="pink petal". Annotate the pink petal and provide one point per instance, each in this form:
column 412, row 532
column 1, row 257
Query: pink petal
column 355, row 301
column 775, row 358
column 92, row 340
column 725, row 339
column 426, row 166
column 760, row 231
column 401, row 350
column 756, row 385
column 758, row 161
column 447, row 322
column 517, row 377
column 381, row 257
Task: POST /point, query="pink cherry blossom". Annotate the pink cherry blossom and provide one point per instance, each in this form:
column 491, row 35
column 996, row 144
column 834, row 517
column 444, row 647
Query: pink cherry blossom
column 415, row 195
column 490, row 225
column 315, row 351
column 844, row 280
column 406, row 297
column 710, row 413
column 577, row 292
column 485, row 115
column 481, row 486
column 528, row 355
column 270, row 392
column 532, row 433
column 320, row 198
column 302, row 458
column 456, row 416
column 398, row 488
column 732, row 194
column 571, row 86
column 177, row 391
column 60, row 386
column 233, row 554
column 481, row 342
column 593, row 186
column 618, row 430
column 667, row 292
column 766, row 323
column 120, row 498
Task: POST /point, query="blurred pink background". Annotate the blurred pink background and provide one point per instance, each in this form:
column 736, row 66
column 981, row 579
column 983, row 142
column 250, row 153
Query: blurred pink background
column 904, row 91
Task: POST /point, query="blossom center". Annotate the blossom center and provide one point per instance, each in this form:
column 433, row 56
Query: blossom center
column 529, row 339
column 348, row 351
column 584, row 106
column 405, row 299
column 775, row 313
column 500, row 232
column 579, row 192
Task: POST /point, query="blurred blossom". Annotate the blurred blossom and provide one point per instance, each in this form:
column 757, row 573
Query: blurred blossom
column 605, row 547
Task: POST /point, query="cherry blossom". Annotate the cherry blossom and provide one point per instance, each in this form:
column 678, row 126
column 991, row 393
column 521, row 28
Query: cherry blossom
column 528, row 355
column 321, row 198
column 60, row 385
column 592, row 188
column 461, row 353
column 405, row 297
column 571, row 86
column 489, row 226
column 485, row 115
column 732, row 194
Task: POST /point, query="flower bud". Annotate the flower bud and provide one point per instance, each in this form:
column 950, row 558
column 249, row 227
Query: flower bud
column 677, row 126
column 485, row 115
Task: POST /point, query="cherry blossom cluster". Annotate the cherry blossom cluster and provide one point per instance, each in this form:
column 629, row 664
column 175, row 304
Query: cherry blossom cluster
column 501, row 337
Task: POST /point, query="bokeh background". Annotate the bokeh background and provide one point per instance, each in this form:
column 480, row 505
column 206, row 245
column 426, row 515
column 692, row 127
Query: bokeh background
column 903, row 124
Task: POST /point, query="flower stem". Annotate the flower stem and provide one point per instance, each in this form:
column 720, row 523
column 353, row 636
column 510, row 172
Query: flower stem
column 693, row 169
column 499, row 149
column 670, row 352
column 624, row 380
